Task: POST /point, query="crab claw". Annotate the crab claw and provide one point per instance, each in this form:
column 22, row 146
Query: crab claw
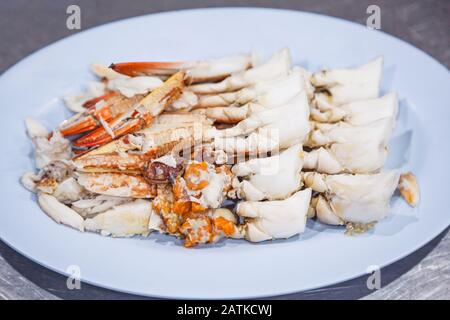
column 196, row 71
column 138, row 117
column 134, row 69
column 92, row 102
column 114, row 105
column 85, row 121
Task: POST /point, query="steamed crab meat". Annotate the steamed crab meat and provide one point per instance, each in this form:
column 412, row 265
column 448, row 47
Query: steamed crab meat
column 47, row 150
column 196, row 71
column 60, row 212
column 185, row 102
column 268, row 220
column 124, row 220
column 343, row 198
column 267, row 93
column 272, row 178
column 94, row 204
column 277, row 66
column 340, row 86
column 360, row 112
column 76, row 102
column 268, row 130
column 324, row 134
column 348, row 149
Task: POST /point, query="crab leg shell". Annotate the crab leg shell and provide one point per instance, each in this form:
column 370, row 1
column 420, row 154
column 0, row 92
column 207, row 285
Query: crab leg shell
column 196, row 71
column 139, row 117
column 134, row 69
column 92, row 102
column 117, row 184
column 90, row 119
column 118, row 155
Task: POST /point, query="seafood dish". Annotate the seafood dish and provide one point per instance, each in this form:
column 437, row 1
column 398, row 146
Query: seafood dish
column 233, row 147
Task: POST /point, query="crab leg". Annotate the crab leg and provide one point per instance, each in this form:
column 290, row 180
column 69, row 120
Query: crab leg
column 138, row 117
column 267, row 130
column 131, row 153
column 277, row 66
column 112, row 106
column 196, row 71
column 269, row 93
column 359, row 112
column 340, row 86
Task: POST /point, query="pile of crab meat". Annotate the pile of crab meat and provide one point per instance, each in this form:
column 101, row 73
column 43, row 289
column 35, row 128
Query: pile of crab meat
column 235, row 147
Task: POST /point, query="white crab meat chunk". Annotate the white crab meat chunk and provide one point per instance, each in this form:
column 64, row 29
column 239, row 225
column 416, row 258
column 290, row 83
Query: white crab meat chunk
column 60, row 212
column 361, row 198
column 325, row 134
column 185, row 102
column 267, row 220
column 97, row 204
column 117, row 184
column 271, row 129
column 351, row 149
column 47, row 150
column 360, row 112
column 347, row 85
column 122, row 221
column 75, row 102
column 218, row 68
column 272, row 178
column 68, row 190
column 277, row 66
column 130, row 87
column 29, row 180
column 270, row 93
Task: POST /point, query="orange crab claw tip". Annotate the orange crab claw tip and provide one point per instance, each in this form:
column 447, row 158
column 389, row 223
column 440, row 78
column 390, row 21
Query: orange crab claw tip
column 92, row 102
column 150, row 68
column 86, row 125
column 100, row 136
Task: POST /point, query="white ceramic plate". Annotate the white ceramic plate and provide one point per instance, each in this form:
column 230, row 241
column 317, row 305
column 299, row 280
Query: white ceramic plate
column 159, row 266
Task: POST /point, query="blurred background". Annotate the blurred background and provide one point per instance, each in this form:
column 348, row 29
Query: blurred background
column 26, row 26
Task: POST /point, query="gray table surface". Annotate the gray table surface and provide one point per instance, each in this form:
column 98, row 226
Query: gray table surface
column 26, row 26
